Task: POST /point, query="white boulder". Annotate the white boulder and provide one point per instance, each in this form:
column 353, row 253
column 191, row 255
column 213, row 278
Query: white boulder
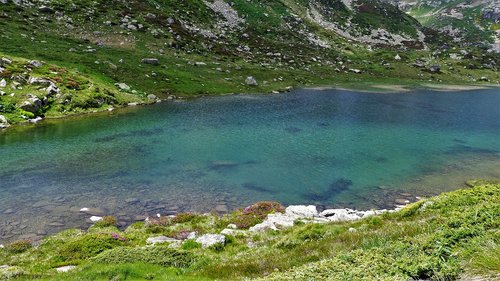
column 208, row 240
column 301, row 211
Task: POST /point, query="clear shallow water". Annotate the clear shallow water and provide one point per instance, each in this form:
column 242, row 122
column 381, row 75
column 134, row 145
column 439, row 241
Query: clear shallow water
column 329, row 147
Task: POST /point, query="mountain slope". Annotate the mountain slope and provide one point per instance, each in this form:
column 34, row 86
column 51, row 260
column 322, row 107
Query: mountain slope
column 467, row 22
column 197, row 47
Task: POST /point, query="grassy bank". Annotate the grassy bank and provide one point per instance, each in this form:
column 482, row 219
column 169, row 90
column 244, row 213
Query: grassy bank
column 446, row 237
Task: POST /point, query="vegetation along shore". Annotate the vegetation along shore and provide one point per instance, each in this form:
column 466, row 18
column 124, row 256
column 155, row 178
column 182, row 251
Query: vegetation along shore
column 450, row 236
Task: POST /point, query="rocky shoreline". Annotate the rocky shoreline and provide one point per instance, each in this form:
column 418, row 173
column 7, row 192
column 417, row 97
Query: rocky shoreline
column 275, row 221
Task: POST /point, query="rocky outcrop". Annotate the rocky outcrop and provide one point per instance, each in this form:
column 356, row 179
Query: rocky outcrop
column 309, row 214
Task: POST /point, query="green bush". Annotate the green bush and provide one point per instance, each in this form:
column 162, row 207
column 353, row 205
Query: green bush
column 87, row 246
column 159, row 255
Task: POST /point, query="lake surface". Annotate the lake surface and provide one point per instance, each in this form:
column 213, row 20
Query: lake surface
column 331, row 148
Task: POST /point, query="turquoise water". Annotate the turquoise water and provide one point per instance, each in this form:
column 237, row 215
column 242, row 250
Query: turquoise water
column 326, row 147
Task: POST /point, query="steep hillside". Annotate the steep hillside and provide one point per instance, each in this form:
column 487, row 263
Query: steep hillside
column 448, row 237
column 187, row 48
column 466, row 22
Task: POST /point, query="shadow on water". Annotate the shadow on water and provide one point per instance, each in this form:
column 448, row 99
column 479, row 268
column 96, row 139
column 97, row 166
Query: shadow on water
column 259, row 188
column 138, row 133
column 222, row 165
column 293, row 130
column 338, row 186
column 461, row 149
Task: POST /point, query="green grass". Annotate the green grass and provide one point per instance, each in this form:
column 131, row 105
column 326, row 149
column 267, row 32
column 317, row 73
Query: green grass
column 441, row 238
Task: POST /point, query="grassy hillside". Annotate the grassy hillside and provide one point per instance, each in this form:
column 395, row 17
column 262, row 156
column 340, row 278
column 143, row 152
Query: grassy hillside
column 454, row 235
column 212, row 47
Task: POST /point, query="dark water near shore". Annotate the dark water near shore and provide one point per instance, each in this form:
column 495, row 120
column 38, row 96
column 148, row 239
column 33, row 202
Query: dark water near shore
column 330, row 147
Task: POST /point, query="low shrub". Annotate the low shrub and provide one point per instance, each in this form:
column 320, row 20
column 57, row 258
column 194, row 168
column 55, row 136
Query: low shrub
column 88, row 246
column 255, row 213
column 159, row 255
column 106, row 221
column 19, row 246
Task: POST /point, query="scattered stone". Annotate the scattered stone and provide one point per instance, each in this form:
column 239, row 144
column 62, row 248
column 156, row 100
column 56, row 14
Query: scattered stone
column 435, row 68
column 162, row 239
column 35, row 120
column 5, row 61
column 192, row 235
column 208, row 240
column 199, row 63
column 232, row 226
column 45, row 9
column 93, row 211
column 151, row 61
column 3, row 120
column 251, row 81
column 483, row 78
column 152, row 97
column 123, row 86
column 32, row 104
column 352, row 230
column 65, row 268
column 397, row 57
column 228, row 231
column 35, row 63
column 52, row 90
column 3, row 83
column 357, row 71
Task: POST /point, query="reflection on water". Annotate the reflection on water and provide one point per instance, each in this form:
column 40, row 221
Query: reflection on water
column 330, row 148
